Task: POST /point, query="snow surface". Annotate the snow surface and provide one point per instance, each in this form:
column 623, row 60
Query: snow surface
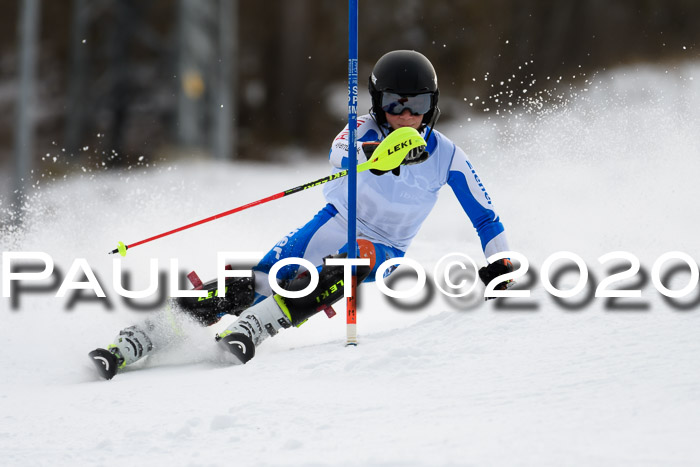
column 534, row 382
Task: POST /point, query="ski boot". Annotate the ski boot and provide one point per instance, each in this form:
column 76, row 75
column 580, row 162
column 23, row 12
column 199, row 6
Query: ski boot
column 275, row 313
column 253, row 326
column 130, row 345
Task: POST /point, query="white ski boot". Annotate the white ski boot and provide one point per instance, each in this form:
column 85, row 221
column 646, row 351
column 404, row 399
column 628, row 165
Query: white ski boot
column 131, row 345
column 254, row 325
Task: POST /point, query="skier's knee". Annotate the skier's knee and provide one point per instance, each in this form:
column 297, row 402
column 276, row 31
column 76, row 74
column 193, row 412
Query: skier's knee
column 330, row 289
column 239, row 294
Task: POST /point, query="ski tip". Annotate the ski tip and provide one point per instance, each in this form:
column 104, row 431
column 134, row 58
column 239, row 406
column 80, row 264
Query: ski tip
column 105, row 362
column 240, row 345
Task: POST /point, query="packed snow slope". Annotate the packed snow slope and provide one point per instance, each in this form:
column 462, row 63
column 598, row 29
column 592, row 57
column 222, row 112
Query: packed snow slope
column 609, row 166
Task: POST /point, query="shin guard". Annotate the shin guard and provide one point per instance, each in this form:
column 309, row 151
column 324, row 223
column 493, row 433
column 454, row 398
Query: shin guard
column 330, row 289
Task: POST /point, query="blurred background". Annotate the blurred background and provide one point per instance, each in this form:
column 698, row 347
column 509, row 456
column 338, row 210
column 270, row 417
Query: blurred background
column 105, row 83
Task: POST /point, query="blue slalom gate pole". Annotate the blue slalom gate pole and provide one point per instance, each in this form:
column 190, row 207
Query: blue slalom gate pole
column 352, row 167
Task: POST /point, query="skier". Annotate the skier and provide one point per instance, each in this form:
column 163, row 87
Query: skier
column 391, row 207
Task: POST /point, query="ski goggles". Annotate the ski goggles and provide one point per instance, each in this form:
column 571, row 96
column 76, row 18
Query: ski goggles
column 395, row 104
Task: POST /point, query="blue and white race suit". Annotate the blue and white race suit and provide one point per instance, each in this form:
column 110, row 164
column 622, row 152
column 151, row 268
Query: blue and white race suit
column 390, row 208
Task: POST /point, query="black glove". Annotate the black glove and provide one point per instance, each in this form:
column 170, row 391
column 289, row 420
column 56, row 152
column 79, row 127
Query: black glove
column 495, row 269
column 415, row 156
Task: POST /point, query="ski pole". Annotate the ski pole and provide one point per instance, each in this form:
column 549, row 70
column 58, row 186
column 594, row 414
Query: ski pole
column 388, row 155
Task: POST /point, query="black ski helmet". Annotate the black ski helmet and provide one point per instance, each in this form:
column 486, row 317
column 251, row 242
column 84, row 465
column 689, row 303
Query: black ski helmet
column 404, row 72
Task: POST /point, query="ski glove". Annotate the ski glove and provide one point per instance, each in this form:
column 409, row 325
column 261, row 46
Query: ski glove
column 496, row 269
column 414, row 156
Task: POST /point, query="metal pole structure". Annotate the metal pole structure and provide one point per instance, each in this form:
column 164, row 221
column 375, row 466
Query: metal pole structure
column 77, row 75
column 352, row 168
column 222, row 104
column 118, row 74
column 24, row 127
column 195, row 56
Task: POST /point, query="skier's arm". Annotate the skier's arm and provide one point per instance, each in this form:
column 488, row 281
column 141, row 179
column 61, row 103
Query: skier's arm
column 476, row 202
column 366, row 131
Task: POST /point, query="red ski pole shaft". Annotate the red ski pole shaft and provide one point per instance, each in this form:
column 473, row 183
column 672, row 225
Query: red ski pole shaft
column 122, row 248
